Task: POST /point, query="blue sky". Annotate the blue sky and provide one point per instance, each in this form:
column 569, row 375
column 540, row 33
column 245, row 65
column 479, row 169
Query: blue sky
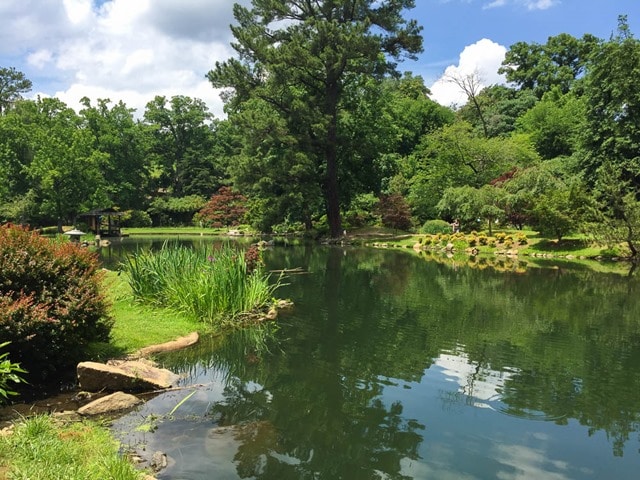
column 132, row 50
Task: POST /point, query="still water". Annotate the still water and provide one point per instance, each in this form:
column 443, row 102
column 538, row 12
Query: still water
column 391, row 366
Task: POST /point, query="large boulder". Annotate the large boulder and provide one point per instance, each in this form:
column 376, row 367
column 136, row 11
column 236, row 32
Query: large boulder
column 127, row 376
column 111, row 403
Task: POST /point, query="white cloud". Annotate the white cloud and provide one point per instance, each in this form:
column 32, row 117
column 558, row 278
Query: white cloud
column 529, row 4
column 541, row 4
column 495, row 4
column 129, row 50
column 77, row 10
column 482, row 58
column 40, row 58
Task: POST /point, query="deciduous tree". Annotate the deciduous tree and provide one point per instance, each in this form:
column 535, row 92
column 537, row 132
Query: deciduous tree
column 13, row 84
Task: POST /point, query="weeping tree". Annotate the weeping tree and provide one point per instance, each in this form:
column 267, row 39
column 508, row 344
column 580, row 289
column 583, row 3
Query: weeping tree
column 300, row 57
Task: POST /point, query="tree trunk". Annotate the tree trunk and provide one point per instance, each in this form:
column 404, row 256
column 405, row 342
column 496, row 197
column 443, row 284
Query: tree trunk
column 331, row 158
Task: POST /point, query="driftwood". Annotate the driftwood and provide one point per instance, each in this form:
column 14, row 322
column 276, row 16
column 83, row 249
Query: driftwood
column 297, row 270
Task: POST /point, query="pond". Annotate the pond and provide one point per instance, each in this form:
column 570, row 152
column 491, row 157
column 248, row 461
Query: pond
column 392, row 366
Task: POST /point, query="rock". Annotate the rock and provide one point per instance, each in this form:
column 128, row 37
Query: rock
column 176, row 344
column 159, row 461
column 129, row 376
column 449, row 247
column 284, row 304
column 111, row 403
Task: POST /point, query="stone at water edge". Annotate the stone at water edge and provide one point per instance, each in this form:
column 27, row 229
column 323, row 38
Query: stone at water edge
column 128, row 376
column 111, row 403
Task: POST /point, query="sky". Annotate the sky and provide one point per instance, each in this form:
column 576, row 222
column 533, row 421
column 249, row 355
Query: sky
column 133, row 50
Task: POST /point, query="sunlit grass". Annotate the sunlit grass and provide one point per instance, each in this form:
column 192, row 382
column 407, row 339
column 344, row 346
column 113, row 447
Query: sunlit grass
column 137, row 325
column 41, row 449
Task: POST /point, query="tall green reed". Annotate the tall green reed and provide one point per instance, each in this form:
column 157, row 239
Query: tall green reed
column 212, row 285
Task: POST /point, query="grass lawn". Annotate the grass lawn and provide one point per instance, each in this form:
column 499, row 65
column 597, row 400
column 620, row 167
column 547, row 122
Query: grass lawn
column 136, row 325
column 186, row 230
column 42, row 448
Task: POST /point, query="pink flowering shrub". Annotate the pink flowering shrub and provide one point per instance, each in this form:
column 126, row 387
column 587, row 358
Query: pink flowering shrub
column 51, row 306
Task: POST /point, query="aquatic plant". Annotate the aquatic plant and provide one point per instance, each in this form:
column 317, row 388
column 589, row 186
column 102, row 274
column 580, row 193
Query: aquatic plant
column 212, row 285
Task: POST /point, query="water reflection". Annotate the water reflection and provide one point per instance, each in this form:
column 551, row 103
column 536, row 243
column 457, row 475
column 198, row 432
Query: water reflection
column 390, row 366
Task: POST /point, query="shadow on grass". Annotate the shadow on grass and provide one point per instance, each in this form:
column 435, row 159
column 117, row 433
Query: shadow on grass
column 567, row 245
column 102, row 351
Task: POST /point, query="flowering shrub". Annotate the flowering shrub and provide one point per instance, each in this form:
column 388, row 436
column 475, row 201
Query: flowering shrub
column 521, row 238
column 50, row 301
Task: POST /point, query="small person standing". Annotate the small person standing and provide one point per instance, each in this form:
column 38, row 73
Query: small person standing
column 455, row 226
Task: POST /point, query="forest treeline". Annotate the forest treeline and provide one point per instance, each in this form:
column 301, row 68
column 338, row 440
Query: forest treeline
column 322, row 133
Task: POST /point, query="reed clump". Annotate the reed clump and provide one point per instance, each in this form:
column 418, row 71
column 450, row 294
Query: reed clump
column 212, row 285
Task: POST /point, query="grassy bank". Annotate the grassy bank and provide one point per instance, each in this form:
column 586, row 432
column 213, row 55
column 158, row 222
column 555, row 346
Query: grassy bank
column 139, row 325
column 187, row 230
column 42, row 448
column 520, row 242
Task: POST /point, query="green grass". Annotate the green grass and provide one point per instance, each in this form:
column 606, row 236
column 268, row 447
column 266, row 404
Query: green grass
column 138, row 325
column 42, row 449
column 186, row 230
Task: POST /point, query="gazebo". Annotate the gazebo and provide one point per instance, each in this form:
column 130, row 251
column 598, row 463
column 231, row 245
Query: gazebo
column 105, row 223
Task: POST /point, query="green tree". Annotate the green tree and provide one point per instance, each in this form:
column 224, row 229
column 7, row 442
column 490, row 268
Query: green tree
column 554, row 123
column 56, row 157
column 612, row 93
column 13, row 84
column 526, row 188
column 167, row 210
column 473, row 206
column 561, row 211
column 455, row 156
column 501, row 107
column 17, row 204
column 278, row 177
column 412, row 113
column 611, row 140
column 181, row 146
column 558, row 63
column 301, row 57
column 615, row 212
column 119, row 136
column 540, row 68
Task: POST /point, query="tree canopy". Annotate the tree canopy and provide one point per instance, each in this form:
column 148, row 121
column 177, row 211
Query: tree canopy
column 301, row 57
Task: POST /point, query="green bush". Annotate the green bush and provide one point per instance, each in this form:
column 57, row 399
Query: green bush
column 136, row 218
column 287, row 227
column 433, row 227
column 521, row 238
column 50, row 299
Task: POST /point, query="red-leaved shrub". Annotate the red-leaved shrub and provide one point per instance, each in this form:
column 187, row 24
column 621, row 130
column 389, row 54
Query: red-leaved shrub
column 50, row 301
